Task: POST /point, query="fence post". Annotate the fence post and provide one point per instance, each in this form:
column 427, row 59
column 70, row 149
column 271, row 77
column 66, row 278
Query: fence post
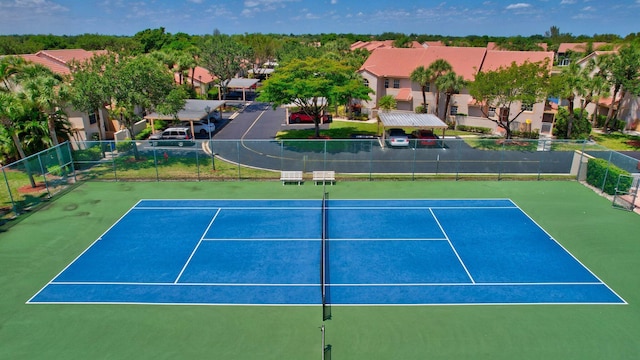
column 606, row 172
column 13, row 203
column 43, row 170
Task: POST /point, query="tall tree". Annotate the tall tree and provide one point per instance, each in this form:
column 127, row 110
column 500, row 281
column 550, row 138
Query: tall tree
column 313, row 85
column 567, row 85
column 422, row 76
column 223, row 57
column 89, row 87
column 624, row 74
column 12, row 109
column 438, row 68
column 508, row 87
column 451, row 84
column 141, row 83
column 47, row 91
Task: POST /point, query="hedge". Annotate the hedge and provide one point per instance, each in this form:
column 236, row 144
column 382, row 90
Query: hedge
column 604, row 175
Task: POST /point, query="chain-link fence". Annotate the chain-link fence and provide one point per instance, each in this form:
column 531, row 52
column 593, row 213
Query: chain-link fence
column 37, row 178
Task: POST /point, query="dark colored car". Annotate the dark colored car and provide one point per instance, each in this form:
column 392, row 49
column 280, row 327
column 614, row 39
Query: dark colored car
column 425, row 138
column 302, row 117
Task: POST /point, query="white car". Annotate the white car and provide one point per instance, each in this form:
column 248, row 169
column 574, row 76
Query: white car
column 397, row 137
column 201, row 127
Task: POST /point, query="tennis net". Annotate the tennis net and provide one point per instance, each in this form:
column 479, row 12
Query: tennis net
column 323, row 258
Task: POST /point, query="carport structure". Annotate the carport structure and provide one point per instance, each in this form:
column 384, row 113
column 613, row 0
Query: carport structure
column 240, row 84
column 193, row 110
column 404, row 119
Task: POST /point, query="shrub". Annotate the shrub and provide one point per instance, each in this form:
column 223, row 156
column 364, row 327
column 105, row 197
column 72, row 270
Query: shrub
column 535, row 134
column 604, row 175
column 124, row 146
column 92, row 153
column 580, row 128
column 144, row 133
column 474, row 129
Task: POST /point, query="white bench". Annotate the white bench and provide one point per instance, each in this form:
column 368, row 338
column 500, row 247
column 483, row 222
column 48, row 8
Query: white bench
column 291, row 176
column 324, row 177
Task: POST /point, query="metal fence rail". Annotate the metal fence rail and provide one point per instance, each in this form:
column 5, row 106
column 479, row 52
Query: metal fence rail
column 39, row 177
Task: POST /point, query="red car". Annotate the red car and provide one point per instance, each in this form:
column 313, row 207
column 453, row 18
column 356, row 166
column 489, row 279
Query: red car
column 301, row 117
column 425, row 137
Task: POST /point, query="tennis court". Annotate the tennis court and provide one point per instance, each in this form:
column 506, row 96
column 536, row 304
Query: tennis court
column 355, row 252
column 74, row 240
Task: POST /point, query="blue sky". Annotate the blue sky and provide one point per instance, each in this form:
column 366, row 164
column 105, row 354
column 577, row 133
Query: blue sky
column 455, row 18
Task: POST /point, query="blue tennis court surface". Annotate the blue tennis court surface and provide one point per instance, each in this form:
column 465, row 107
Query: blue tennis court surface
column 378, row 252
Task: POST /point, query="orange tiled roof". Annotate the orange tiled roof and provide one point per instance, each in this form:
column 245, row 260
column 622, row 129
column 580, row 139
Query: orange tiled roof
column 400, row 63
column 578, row 47
column 498, row 58
column 58, row 61
column 372, row 45
column 404, row 94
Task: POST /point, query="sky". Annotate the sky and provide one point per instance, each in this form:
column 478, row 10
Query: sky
column 196, row 17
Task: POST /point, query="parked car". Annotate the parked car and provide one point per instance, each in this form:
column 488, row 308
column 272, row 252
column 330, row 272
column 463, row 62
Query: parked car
column 174, row 136
column 397, row 137
column 201, row 127
column 302, row 117
column 425, row 137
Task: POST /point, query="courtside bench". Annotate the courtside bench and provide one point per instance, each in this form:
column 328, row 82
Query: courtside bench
column 291, row 176
column 324, row 177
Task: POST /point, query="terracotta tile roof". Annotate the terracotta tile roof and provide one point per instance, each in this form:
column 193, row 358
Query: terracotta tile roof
column 372, row 45
column 400, row 63
column 499, row 58
column 578, row 47
column 58, row 61
column 404, row 94
column 203, row 75
column 432, row 43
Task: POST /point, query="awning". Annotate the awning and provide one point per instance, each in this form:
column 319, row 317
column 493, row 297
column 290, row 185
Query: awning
column 410, row 119
column 193, row 110
column 405, row 94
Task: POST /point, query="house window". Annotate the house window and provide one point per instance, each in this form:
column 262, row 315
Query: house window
column 565, row 62
column 427, row 88
column 492, row 111
column 365, row 82
column 93, row 118
column 386, row 83
column 526, row 107
column 396, row 83
column 453, row 110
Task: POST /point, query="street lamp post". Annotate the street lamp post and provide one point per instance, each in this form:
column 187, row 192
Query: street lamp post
column 213, row 162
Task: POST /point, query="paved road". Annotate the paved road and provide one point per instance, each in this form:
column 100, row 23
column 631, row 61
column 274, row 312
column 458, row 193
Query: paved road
column 257, row 125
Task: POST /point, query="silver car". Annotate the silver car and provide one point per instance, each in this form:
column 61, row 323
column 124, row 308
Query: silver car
column 397, row 137
column 201, row 126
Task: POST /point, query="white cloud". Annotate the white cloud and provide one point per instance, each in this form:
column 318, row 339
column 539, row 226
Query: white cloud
column 567, row 2
column 333, row 2
column 195, row 1
column 518, row 6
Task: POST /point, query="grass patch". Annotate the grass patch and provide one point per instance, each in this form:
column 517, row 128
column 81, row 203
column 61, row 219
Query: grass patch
column 617, row 141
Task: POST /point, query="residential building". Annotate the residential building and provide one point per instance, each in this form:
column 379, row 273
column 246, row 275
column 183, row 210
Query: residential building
column 387, row 71
column 84, row 126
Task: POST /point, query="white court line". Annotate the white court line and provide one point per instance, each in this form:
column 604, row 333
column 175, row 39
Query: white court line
column 452, row 247
column 568, row 252
column 197, row 246
column 85, row 250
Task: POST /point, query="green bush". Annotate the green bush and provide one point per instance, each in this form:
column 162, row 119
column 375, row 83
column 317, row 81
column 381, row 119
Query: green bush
column 535, row 134
column 92, row 153
column 144, row 133
column 474, row 129
column 580, row 126
column 600, row 171
column 124, row 146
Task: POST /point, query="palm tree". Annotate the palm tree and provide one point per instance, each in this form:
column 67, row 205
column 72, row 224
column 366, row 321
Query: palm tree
column 438, row 69
column 48, row 93
column 452, row 84
column 422, row 76
column 10, row 67
column 595, row 86
column 571, row 80
column 11, row 111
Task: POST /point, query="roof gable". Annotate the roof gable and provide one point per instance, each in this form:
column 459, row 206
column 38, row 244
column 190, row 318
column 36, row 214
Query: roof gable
column 496, row 59
column 59, row 61
column 400, row 62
